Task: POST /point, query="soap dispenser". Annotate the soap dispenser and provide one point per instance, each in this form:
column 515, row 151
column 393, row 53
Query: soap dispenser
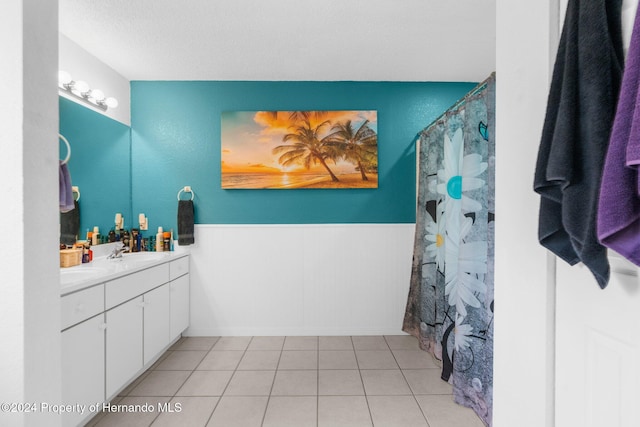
column 159, row 240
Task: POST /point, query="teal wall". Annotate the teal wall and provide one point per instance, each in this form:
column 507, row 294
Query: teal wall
column 99, row 165
column 176, row 142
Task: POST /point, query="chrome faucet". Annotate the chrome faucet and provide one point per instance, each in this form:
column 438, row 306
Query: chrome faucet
column 117, row 252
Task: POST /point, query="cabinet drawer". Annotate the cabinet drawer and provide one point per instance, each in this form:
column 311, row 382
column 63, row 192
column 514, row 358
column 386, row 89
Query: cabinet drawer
column 81, row 305
column 179, row 267
column 123, row 289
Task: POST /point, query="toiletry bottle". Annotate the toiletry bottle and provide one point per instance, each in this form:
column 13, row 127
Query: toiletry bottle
column 118, row 225
column 167, row 244
column 171, row 241
column 95, row 239
column 159, row 240
column 112, row 236
column 134, row 240
column 121, row 229
column 85, row 253
column 87, row 247
column 125, row 238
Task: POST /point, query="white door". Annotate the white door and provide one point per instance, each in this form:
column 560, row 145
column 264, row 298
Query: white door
column 598, row 336
column 597, row 350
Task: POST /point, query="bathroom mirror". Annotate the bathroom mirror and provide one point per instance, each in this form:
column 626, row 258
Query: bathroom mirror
column 99, row 165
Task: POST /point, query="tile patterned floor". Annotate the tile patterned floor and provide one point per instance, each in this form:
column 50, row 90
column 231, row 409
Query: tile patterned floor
column 291, row 381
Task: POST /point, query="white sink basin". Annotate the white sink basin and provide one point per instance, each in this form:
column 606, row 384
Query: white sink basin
column 141, row 257
column 80, row 273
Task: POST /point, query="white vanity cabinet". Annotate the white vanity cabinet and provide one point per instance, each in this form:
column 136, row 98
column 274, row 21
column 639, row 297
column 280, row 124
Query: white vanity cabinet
column 114, row 330
column 83, row 351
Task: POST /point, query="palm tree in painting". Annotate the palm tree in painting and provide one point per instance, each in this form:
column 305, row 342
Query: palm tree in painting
column 358, row 146
column 306, row 147
column 298, row 116
column 301, row 116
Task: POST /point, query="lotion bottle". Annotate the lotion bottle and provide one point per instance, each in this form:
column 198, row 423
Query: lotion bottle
column 167, row 243
column 95, row 239
column 159, row 240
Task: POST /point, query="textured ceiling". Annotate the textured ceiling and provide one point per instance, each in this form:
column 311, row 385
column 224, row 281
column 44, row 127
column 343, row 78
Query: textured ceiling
column 375, row 40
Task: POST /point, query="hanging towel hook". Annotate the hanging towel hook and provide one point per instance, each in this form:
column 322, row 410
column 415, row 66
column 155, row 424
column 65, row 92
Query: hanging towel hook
column 66, row 159
column 187, row 189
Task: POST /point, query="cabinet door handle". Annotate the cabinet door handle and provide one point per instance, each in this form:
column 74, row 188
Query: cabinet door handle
column 103, row 326
column 79, row 308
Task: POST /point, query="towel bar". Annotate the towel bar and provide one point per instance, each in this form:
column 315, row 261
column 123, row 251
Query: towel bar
column 186, row 189
column 66, row 159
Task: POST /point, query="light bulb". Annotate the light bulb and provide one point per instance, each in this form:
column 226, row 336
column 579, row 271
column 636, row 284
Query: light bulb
column 111, row 102
column 64, row 78
column 97, row 94
column 81, row 86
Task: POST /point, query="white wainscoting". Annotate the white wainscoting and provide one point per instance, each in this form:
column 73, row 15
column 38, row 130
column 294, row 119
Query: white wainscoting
column 328, row 279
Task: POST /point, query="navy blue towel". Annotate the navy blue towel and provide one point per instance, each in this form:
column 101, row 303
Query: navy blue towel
column 185, row 223
column 580, row 110
column 70, row 225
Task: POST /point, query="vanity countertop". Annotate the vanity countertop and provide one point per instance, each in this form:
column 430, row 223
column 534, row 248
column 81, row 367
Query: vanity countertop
column 102, row 269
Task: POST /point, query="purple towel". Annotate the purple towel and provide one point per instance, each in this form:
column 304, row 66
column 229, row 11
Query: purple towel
column 64, row 189
column 619, row 203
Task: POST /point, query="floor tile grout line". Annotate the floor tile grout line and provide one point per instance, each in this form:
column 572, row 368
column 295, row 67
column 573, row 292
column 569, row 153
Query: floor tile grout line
column 409, row 385
column 235, row 369
column 275, row 374
column 364, row 390
column 185, row 381
column 230, row 378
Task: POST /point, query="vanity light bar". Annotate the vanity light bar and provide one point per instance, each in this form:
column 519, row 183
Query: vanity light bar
column 80, row 90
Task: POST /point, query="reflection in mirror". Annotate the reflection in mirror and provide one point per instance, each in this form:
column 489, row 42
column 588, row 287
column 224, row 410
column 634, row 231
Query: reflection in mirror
column 99, row 165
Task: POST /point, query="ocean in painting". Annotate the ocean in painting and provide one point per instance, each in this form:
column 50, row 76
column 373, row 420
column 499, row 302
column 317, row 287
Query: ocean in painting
column 269, row 180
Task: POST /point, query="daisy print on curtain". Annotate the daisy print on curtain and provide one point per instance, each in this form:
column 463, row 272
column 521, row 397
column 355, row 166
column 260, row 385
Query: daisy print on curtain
column 450, row 304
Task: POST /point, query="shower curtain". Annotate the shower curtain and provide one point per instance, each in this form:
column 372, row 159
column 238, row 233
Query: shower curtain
column 450, row 304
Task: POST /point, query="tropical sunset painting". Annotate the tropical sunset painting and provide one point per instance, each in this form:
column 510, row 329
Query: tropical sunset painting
column 299, row 149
